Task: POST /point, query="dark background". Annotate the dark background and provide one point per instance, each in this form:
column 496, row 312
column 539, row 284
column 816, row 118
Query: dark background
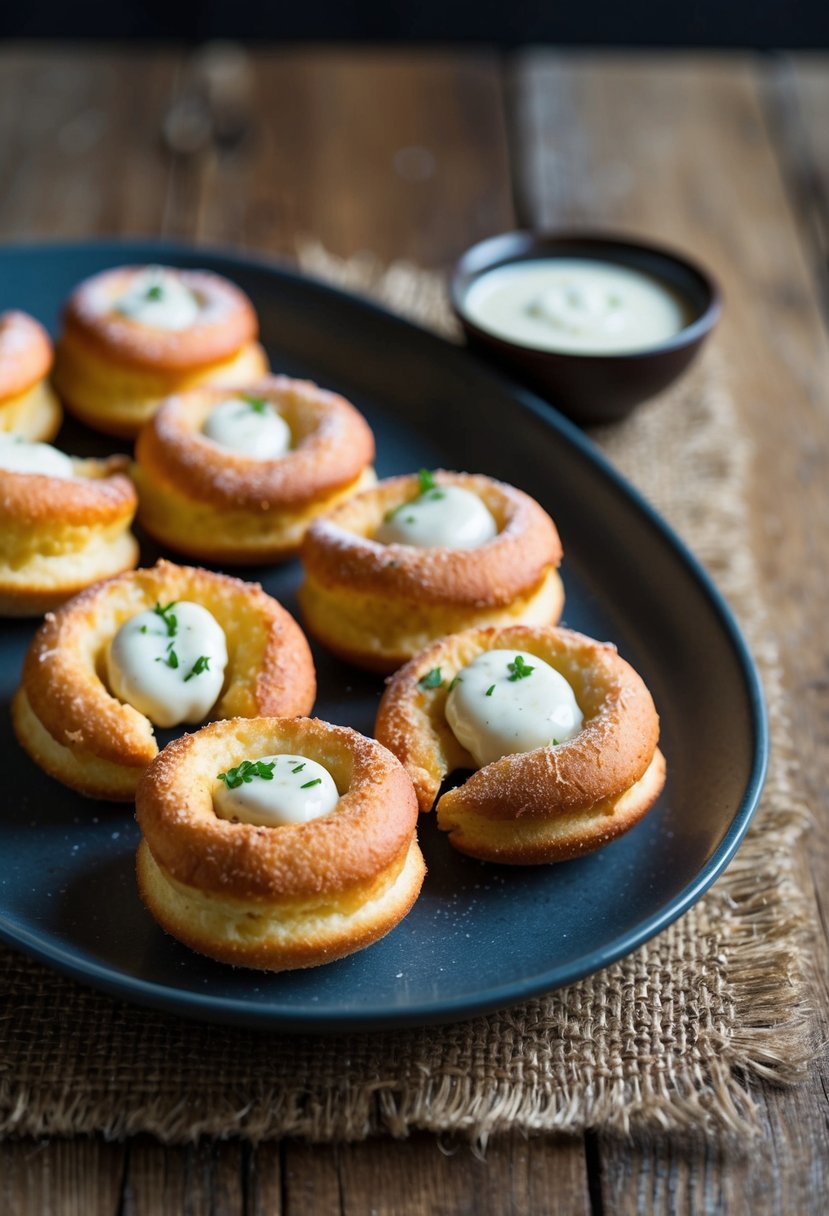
column 725, row 23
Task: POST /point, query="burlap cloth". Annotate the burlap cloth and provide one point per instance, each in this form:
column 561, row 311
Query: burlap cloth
column 670, row 1038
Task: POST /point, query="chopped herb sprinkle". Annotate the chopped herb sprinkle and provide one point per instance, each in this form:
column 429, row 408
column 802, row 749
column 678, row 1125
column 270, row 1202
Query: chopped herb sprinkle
column 257, row 404
column 518, row 669
column 155, row 292
column 455, row 680
column 170, row 659
column 490, row 690
column 432, row 679
column 298, row 768
column 308, row 784
column 425, row 481
column 168, row 617
column 245, row 772
column 201, row 664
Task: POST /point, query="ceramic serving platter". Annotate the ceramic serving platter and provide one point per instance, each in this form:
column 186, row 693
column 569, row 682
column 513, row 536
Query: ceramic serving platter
column 480, row 936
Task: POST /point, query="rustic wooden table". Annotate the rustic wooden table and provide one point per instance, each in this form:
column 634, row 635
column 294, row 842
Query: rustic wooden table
column 416, row 155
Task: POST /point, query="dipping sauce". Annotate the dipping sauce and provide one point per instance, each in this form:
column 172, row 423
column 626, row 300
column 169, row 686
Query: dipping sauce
column 156, row 297
column 576, row 306
column 441, row 516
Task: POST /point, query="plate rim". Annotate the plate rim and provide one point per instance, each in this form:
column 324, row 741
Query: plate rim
column 306, row 1018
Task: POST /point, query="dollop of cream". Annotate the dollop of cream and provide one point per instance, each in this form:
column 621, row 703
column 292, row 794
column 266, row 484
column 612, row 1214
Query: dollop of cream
column 169, row 663
column 250, row 426
column 441, row 517
column 19, row 456
column 296, row 790
column 157, row 298
column 508, row 701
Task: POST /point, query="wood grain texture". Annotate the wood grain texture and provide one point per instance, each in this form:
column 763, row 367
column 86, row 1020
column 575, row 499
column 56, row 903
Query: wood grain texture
column 61, row 1177
column 208, row 1179
column 684, row 151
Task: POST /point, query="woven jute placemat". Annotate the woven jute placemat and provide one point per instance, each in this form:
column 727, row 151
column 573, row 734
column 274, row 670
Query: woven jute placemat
column 670, row 1038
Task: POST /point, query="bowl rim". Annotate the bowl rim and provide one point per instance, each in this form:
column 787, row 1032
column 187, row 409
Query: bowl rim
column 462, row 275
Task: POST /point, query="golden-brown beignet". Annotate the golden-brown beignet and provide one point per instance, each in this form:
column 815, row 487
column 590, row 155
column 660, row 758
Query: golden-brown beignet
column 116, row 361
column 59, row 534
column 207, row 501
column 28, row 407
column 549, row 803
column 286, row 896
column 71, row 724
column 377, row 604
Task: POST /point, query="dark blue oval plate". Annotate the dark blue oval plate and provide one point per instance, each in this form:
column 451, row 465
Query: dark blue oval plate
column 480, row 936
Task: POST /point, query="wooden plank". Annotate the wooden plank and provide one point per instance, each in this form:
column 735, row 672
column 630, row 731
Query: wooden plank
column 208, row 1179
column 796, row 90
column 400, row 153
column 80, row 146
column 681, row 151
column 422, row 1176
column 61, row 1178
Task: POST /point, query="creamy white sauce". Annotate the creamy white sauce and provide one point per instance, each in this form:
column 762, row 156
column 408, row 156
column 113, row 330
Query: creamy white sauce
column 250, row 426
column 493, row 714
column 19, row 456
column 296, row 791
column 576, row 305
column 169, row 667
column 156, row 297
column 444, row 516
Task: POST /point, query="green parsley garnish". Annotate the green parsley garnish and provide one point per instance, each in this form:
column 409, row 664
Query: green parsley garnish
column 409, row 519
column 425, row 481
column 171, row 658
column 455, row 680
column 432, row 679
column 257, row 404
column 298, row 768
column 519, row 670
column 555, row 742
column 155, row 292
column 246, row 771
column 308, row 784
column 168, row 617
column 201, row 664
column 490, row 691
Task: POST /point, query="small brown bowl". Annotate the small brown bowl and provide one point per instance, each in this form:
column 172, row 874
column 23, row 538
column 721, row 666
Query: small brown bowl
column 591, row 387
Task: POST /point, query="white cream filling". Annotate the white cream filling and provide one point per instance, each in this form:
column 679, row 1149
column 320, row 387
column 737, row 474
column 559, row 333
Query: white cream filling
column 169, row 663
column 19, row 456
column 157, row 298
column 250, row 426
column 576, row 305
column 498, row 706
column 274, row 790
column 441, row 517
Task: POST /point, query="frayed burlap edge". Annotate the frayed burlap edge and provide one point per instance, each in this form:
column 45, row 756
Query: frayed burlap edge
column 756, row 915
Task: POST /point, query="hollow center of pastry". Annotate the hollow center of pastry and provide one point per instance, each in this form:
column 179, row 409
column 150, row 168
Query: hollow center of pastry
column 250, row 426
column 169, row 663
column 19, row 456
column 506, row 701
column 441, row 516
column 156, row 297
column 271, row 791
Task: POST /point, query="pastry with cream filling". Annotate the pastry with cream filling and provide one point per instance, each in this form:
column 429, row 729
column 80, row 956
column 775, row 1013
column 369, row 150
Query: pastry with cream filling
column 64, row 523
column 238, row 474
column 561, row 732
column 418, row 557
column 134, row 335
column 277, row 844
column 28, row 407
column 155, row 648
